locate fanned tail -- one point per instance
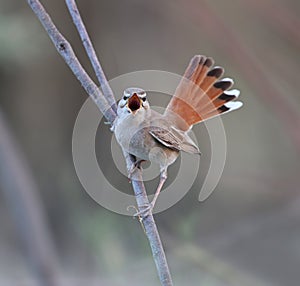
(201, 94)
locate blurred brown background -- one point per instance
(246, 233)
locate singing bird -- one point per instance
(159, 138)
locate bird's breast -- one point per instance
(132, 134)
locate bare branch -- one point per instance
(66, 51)
(278, 16)
(150, 226)
(152, 234)
(91, 53)
(22, 196)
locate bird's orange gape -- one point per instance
(134, 102)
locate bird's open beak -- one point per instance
(134, 103)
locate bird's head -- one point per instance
(133, 101)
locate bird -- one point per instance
(147, 135)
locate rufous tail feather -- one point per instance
(202, 94)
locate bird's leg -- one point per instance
(148, 209)
(163, 178)
(136, 165)
(131, 164)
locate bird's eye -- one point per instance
(144, 99)
(125, 97)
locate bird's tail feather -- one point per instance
(201, 94)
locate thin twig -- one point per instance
(152, 234)
(91, 53)
(66, 51)
(22, 196)
(64, 48)
(278, 16)
(150, 226)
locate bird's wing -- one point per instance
(174, 139)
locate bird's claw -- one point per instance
(141, 214)
(136, 165)
(145, 212)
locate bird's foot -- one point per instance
(141, 214)
(136, 165)
(146, 211)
